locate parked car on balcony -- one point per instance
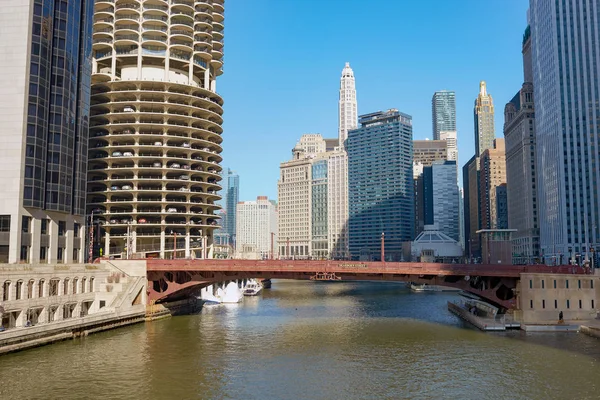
(156, 164)
(115, 187)
(126, 187)
(127, 154)
(141, 220)
(186, 167)
(128, 109)
(175, 165)
(184, 177)
(184, 189)
(186, 145)
(171, 210)
(117, 154)
(113, 221)
(158, 143)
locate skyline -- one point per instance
(299, 90)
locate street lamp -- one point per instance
(592, 250)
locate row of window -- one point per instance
(566, 284)
(20, 290)
(567, 304)
(26, 225)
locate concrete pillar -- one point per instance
(207, 78)
(162, 243)
(187, 243)
(107, 243)
(69, 234)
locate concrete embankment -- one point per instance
(43, 334)
(591, 328)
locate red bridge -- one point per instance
(173, 279)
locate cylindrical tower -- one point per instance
(155, 126)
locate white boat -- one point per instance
(252, 288)
(431, 288)
(231, 294)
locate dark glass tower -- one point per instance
(380, 185)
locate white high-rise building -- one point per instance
(348, 110)
(337, 204)
(451, 145)
(256, 230)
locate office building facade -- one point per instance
(521, 166)
(565, 59)
(380, 182)
(257, 228)
(471, 214)
(156, 125)
(45, 57)
(440, 197)
(443, 110)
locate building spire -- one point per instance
(482, 88)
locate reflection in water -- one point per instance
(310, 340)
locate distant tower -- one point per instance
(443, 108)
(484, 120)
(348, 115)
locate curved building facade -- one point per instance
(155, 127)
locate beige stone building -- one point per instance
(492, 166)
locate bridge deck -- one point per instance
(366, 268)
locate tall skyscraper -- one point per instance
(348, 109)
(566, 85)
(492, 174)
(380, 185)
(230, 181)
(521, 167)
(443, 109)
(257, 228)
(45, 58)
(484, 120)
(441, 197)
(156, 125)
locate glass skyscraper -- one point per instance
(45, 94)
(380, 185)
(443, 109)
(566, 85)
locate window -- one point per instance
(75, 285)
(59, 255)
(579, 284)
(592, 284)
(62, 227)
(555, 284)
(531, 285)
(92, 284)
(76, 228)
(25, 253)
(568, 304)
(18, 290)
(42, 253)
(66, 286)
(592, 304)
(579, 303)
(26, 221)
(4, 223)
(542, 284)
(555, 303)
(543, 303)
(567, 283)
(41, 288)
(44, 228)
(530, 303)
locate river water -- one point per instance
(311, 340)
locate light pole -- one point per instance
(592, 250)
(382, 247)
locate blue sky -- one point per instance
(283, 60)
